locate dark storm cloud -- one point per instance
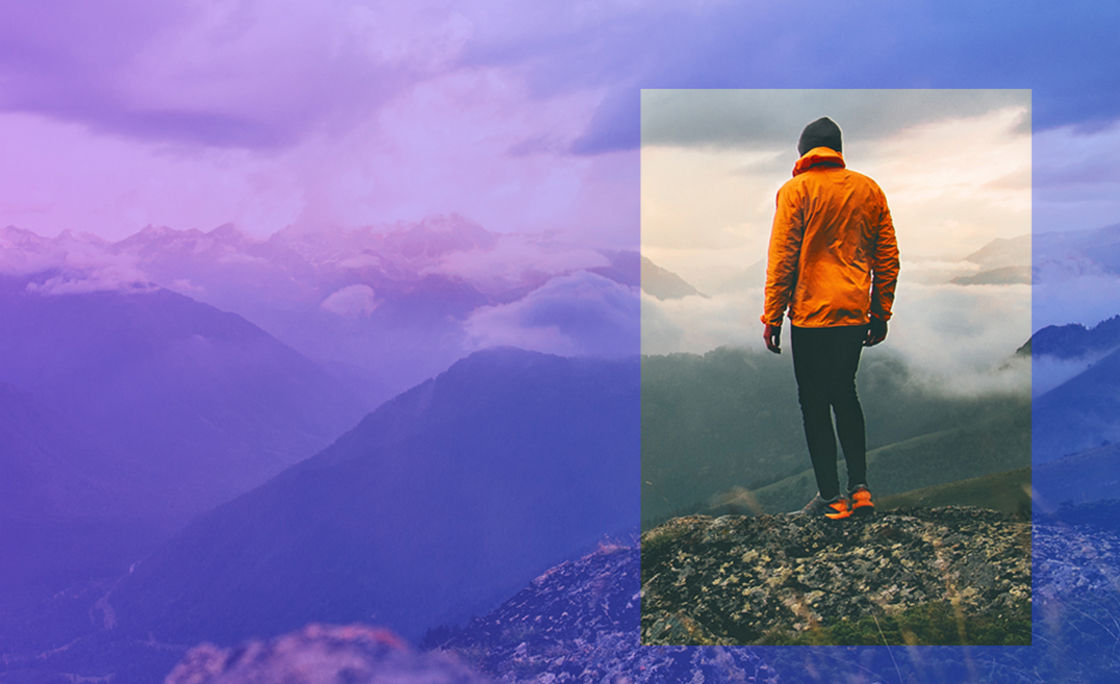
(1065, 53)
(222, 74)
(727, 118)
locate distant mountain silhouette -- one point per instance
(1073, 340)
(392, 303)
(1003, 253)
(1055, 254)
(665, 284)
(433, 508)
(1007, 275)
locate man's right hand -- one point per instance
(772, 335)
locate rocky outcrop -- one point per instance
(743, 580)
(578, 622)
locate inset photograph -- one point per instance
(836, 368)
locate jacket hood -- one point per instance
(818, 155)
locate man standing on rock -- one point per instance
(833, 261)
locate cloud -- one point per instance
(746, 118)
(961, 335)
(69, 264)
(1048, 372)
(580, 314)
(612, 128)
(264, 74)
(1087, 299)
(244, 74)
(911, 45)
(1075, 183)
(956, 338)
(352, 301)
(517, 260)
(97, 280)
(698, 325)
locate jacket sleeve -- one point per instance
(884, 266)
(783, 256)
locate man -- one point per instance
(833, 261)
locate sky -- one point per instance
(520, 116)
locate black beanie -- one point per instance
(821, 133)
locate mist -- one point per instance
(957, 339)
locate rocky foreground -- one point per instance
(579, 621)
(771, 579)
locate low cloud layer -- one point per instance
(515, 260)
(960, 339)
(581, 314)
(73, 264)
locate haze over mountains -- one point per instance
(390, 305)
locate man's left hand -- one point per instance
(876, 332)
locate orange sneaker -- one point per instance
(835, 508)
(862, 505)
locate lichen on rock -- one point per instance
(773, 578)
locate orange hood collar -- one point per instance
(818, 155)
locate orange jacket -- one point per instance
(833, 259)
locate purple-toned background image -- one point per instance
(329, 314)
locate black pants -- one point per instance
(825, 361)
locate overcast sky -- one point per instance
(955, 166)
(521, 116)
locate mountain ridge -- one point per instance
(435, 505)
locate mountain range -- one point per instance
(1058, 254)
(437, 505)
(390, 305)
